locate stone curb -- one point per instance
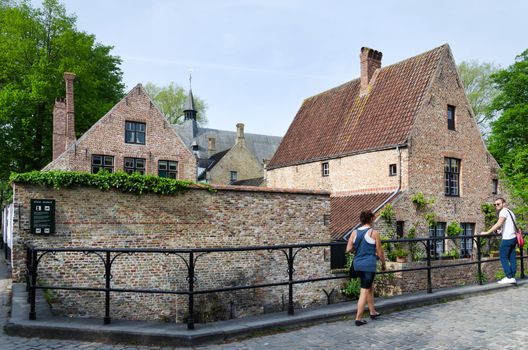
(162, 334)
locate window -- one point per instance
(168, 168)
(233, 176)
(451, 117)
(399, 229)
(135, 133)
(437, 245)
(393, 170)
(326, 219)
(325, 169)
(466, 244)
(495, 186)
(452, 176)
(133, 165)
(102, 162)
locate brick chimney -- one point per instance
(64, 119)
(70, 109)
(240, 133)
(370, 61)
(211, 146)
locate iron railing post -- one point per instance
(28, 270)
(429, 278)
(32, 289)
(108, 274)
(290, 281)
(479, 261)
(190, 319)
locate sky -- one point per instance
(255, 61)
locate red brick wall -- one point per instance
(87, 217)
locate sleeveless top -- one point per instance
(365, 257)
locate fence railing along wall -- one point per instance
(191, 257)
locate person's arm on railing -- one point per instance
(379, 250)
(495, 227)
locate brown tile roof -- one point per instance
(345, 210)
(339, 122)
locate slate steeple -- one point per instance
(189, 111)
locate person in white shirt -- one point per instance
(507, 253)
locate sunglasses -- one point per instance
(497, 204)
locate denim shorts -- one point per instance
(366, 278)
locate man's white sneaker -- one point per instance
(512, 280)
(505, 280)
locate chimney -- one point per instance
(70, 109)
(240, 133)
(59, 128)
(211, 147)
(370, 61)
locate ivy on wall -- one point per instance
(135, 183)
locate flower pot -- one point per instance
(401, 260)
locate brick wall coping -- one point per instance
(364, 191)
(266, 190)
(216, 187)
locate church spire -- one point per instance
(189, 111)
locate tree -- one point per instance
(479, 89)
(171, 100)
(508, 141)
(36, 47)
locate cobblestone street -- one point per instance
(492, 321)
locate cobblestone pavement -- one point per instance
(493, 321)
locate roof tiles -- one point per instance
(340, 122)
(345, 210)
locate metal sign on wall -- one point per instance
(42, 216)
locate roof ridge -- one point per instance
(381, 69)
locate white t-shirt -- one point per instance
(508, 229)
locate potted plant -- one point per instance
(401, 255)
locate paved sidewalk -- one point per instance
(490, 321)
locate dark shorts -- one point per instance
(366, 278)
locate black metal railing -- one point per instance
(191, 255)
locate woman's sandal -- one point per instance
(360, 322)
(373, 317)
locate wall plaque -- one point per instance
(43, 216)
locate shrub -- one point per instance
(135, 183)
(352, 288)
(388, 214)
(419, 200)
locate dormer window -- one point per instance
(451, 117)
(135, 133)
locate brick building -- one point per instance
(226, 157)
(382, 138)
(135, 137)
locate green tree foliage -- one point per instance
(508, 141)
(479, 89)
(171, 100)
(37, 45)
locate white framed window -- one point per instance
(325, 169)
(393, 170)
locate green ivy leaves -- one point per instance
(135, 183)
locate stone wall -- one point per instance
(239, 159)
(230, 217)
(364, 172)
(431, 142)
